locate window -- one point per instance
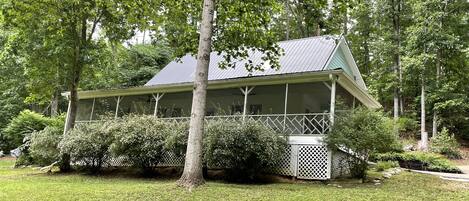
(255, 109)
(236, 109)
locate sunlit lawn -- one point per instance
(29, 184)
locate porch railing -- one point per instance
(289, 124)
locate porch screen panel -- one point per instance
(223, 102)
(84, 109)
(104, 107)
(138, 105)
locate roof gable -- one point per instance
(342, 59)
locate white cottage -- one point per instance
(318, 78)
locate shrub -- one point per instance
(21, 126)
(362, 133)
(88, 145)
(244, 150)
(445, 143)
(420, 161)
(43, 145)
(384, 165)
(140, 140)
(176, 140)
(407, 126)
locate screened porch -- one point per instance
(291, 109)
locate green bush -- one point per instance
(21, 126)
(140, 140)
(361, 132)
(419, 161)
(384, 165)
(44, 145)
(176, 140)
(444, 143)
(407, 126)
(243, 149)
(88, 145)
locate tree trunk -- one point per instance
(80, 43)
(423, 133)
(397, 59)
(193, 174)
(54, 104)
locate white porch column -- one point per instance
(157, 99)
(68, 114)
(246, 92)
(333, 93)
(92, 109)
(285, 108)
(117, 106)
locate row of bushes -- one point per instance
(242, 149)
(420, 161)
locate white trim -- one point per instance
(285, 107)
(92, 109)
(67, 119)
(333, 94)
(157, 99)
(246, 93)
(117, 106)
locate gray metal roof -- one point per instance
(301, 55)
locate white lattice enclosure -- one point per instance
(286, 165)
(313, 162)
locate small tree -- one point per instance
(361, 133)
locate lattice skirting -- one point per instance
(301, 161)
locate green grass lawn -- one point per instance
(29, 184)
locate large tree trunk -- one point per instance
(193, 174)
(80, 43)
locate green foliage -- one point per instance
(362, 132)
(408, 127)
(420, 161)
(444, 143)
(176, 140)
(22, 126)
(180, 22)
(384, 165)
(141, 63)
(44, 145)
(244, 149)
(88, 145)
(139, 140)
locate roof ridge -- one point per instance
(311, 37)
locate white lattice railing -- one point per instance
(290, 124)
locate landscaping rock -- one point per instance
(387, 175)
(15, 152)
(409, 147)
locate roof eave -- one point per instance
(315, 76)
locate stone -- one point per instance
(387, 175)
(409, 147)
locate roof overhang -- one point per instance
(344, 80)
